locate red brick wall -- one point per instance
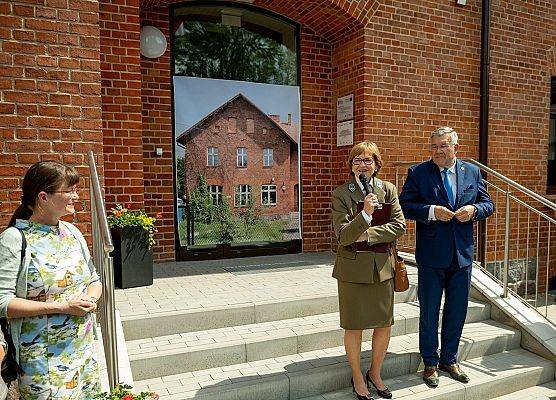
(317, 140)
(520, 91)
(521, 65)
(121, 102)
(50, 105)
(228, 175)
(157, 132)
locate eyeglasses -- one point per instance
(442, 147)
(366, 161)
(69, 191)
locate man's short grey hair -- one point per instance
(446, 130)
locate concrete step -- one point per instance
(539, 392)
(183, 321)
(246, 343)
(513, 374)
(316, 372)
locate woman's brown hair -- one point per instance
(44, 176)
(360, 148)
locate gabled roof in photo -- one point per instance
(290, 130)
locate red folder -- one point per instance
(381, 216)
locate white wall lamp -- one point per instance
(461, 2)
(153, 42)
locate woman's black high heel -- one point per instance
(359, 397)
(386, 393)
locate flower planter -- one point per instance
(133, 261)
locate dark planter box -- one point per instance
(133, 262)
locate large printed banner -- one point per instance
(237, 161)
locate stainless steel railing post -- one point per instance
(102, 246)
(112, 346)
(506, 246)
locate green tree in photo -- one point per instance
(224, 222)
(201, 202)
(251, 214)
(211, 50)
(180, 172)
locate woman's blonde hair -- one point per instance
(360, 148)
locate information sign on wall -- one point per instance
(344, 108)
(345, 133)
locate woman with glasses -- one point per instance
(365, 273)
(50, 292)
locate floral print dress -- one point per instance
(56, 351)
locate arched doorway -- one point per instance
(236, 103)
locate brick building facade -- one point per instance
(73, 79)
(212, 147)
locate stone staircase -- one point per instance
(293, 349)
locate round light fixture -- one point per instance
(153, 42)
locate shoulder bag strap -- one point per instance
(23, 249)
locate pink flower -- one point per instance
(128, 397)
(128, 205)
(159, 214)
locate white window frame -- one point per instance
(244, 194)
(215, 192)
(241, 157)
(213, 160)
(267, 190)
(268, 157)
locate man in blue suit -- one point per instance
(444, 196)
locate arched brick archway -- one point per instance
(330, 19)
(332, 64)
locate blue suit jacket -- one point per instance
(436, 239)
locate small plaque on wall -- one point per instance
(344, 108)
(345, 133)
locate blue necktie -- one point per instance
(448, 186)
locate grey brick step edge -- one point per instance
(540, 392)
(173, 322)
(513, 374)
(318, 372)
(150, 362)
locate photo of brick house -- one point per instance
(245, 155)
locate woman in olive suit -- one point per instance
(365, 278)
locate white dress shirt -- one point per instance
(452, 176)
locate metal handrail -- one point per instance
(513, 184)
(510, 188)
(98, 204)
(102, 247)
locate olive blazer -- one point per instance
(360, 267)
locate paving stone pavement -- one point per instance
(206, 284)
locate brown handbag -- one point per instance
(401, 282)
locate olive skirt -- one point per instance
(366, 305)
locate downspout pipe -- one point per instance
(483, 111)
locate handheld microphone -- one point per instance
(366, 188)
